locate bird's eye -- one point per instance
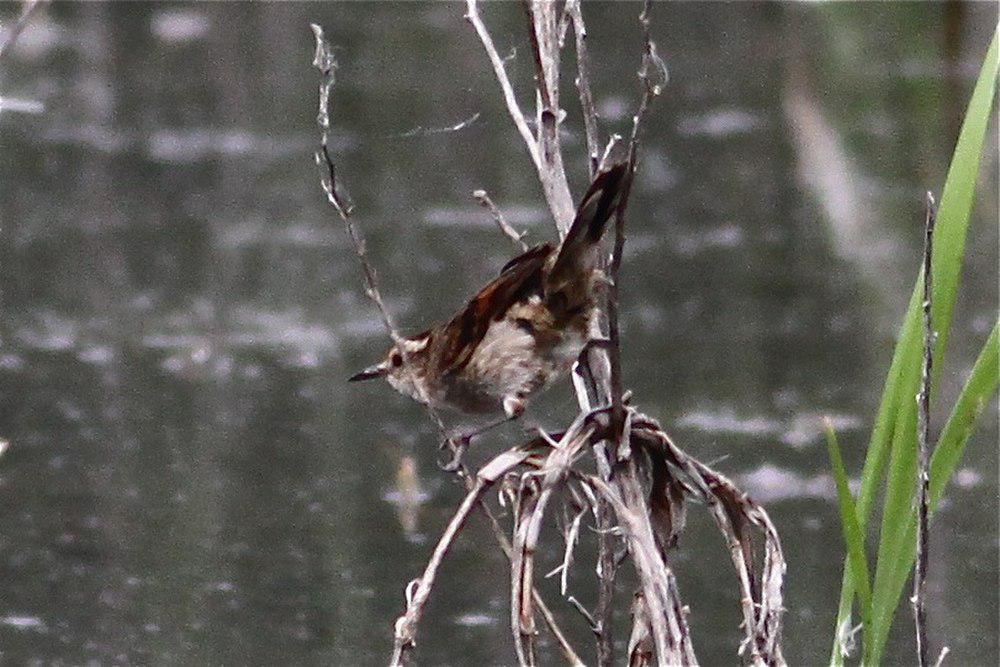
(397, 360)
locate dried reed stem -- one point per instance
(923, 432)
(659, 617)
(545, 46)
(419, 590)
(472, 16)
(604, 612)
(516, 238)
(573, 8)
(326, 63)
(530, 511)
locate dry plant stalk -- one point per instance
(418, 590)
(923, 433)
(643, 479)
(517, 238)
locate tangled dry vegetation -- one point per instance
(613, 463)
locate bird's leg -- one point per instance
(513, 407)
(457, 446)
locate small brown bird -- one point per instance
(521, 331)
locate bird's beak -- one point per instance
(376, 371)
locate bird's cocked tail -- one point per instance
(579, 249)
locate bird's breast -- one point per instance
(518, 355)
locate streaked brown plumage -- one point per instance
(521, 331)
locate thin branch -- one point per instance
(573, 8)
(528, 526)
(326, 63)
(543, 30)
(583, 612)
(516, 238)
(923, 432)
(650, 74)
(406, 625)
(568, 651)
(472, 16)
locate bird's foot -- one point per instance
(456, 445)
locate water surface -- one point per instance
(191, 481)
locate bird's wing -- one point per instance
(518, 279)
(579, 249)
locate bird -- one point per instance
(521, 332)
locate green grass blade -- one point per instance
(854, 538)
(895, 425)
(978, 390)
(875, 459)
(949, 251)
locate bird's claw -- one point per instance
(457, 446)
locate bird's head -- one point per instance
(402, 366)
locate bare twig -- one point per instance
(11, 34)
(761, 596)
(420, 589)
(528, 526)
(326, 63)
(472, 16)
(516, 238)
(923, 433)
(583, 86)
(650, 77)
(543, 30)
(572, 657)
(576, 604)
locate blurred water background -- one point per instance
(191, 481)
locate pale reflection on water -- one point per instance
(190, 480)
